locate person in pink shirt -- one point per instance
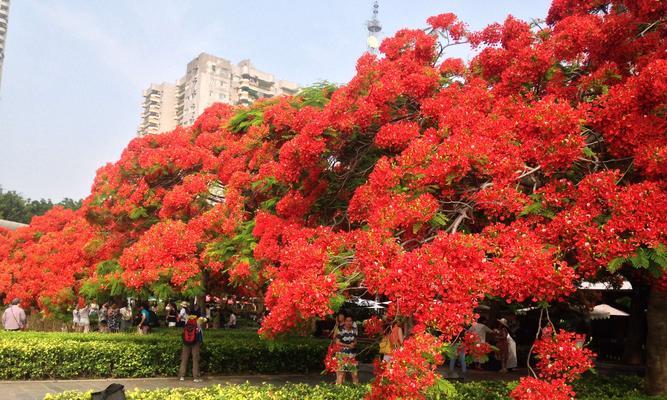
(14, 319)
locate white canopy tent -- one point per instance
(11, 225)
(604, 286)
(605, 311)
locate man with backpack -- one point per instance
(193, 338)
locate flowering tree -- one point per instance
(430, 181)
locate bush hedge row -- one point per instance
(28, 355)
(617, 388)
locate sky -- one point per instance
(74, 70)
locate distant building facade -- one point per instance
(4, 20)
(208, 79)
(159, 108)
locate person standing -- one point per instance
(231, 322)
(207, 314)
(126, 318)
(480, 329)
(84, 318)
(346, 341)
(460, 355)
(507, 346)
(114, 318)
(144, 323)
(183, 314)
(394, 336)
(14, 318)
(171, 315)
(75, 319)
(102, 318)
(193, 338)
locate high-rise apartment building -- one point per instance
(208, 79)
(4, 20)
(159, 108)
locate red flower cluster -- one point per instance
(373, 326)
(410, 372)
(474, 347)
(535, 389)
(562, 355)
(562, 359)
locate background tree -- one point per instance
(14, 207)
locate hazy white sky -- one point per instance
(75, 69)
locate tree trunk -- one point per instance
(636, 334)
(656, 343)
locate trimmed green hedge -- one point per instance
(595, 388)
(37, 355)
(238, 392)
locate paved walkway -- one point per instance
(36, 390)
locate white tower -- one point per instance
(4, 19)
(374, 28)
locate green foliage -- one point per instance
(652, 259)
(239, 246)
(37, 355)
(14, 207)
(617, 388)
(537, 208)
(317, 95)
(239, 392)
(612, 388)
(245, 118)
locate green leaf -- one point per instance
(615, 264)
(639, 260)
(336, 302)
(533, 208)
(439, 220)
(588, 152)
(137, 213)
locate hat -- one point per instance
(504, 323)
(185, 304)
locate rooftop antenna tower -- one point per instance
(374, 28)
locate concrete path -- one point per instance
(36, 390)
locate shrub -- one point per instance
(238, 392)
(28, 355)
(617, 388)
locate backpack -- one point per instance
(112, 392)
(190, 332)
(385, 345)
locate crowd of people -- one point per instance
(345, 338)
(113, 317)
(501, 337)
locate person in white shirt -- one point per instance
(183, 314)
(84, 319)
(75, 319)
(125, 318)
(14, 318)
(231, 323)
(480, 329)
